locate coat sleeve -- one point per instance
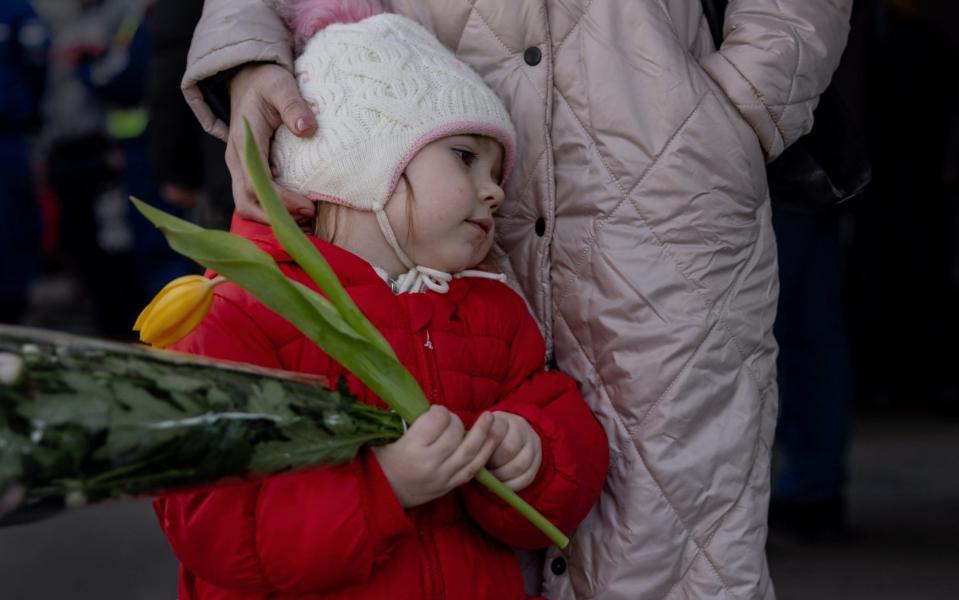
(575, 450)
(231, 33)
(776, 59)
(301, 532)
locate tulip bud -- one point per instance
(176, 310)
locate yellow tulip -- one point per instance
(176, 310)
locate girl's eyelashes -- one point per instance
(467, 156)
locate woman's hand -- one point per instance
(435, 456)
(266, 95)
(518, 454)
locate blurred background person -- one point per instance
(866, 288)
(24, 44)
(97, 156)
(187, 163)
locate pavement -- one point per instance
(903, 539)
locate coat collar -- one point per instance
(350, 268)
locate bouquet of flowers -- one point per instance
(90, 462)
(83, 421)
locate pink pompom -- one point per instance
(306, 17)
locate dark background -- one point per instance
(896, 259)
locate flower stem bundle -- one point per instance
(83, 421)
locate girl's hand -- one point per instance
(519, 454)
(266, 95)
(435, 456)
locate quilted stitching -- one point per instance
(702, 552)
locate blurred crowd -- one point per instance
(92, 113)
(95, 116)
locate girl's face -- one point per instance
(446, 223)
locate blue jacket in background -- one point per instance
(24, 44)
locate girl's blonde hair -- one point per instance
(331, 218)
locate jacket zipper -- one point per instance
(427, 360)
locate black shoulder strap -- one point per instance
(715, 12)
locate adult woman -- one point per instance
(639, 229)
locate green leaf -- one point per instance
(48, 410)
(218, 399)
(294, 241)
(143, 407)
(308, 444)
(181, 383)
(240, 261)
(85, 384)
(269, 398)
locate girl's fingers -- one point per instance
(521, 472)
(499, 428)
(476, 443)
(445, 446)
(431, 426)
(528, 457)
(508, 448)
(469, 470)
(516, 466)
(518, 484)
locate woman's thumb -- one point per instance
(293, 109)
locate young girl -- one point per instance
(407, 164)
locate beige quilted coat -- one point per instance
(638, 223)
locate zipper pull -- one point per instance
(428, 344)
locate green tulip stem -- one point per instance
(512, 498)
(294, 241)
(333, 322)
(398, 388)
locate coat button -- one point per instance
(558, 566)
(532, 56)
(540, 226)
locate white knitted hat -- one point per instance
(381, 88)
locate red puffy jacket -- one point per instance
(339, 532)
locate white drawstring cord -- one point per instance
(480, 275)
(419, 279)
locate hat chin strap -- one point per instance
(387, 230)
(419, 278)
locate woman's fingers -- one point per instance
(245, 200)
(284, 96)
(266, 95)
(297, 205)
